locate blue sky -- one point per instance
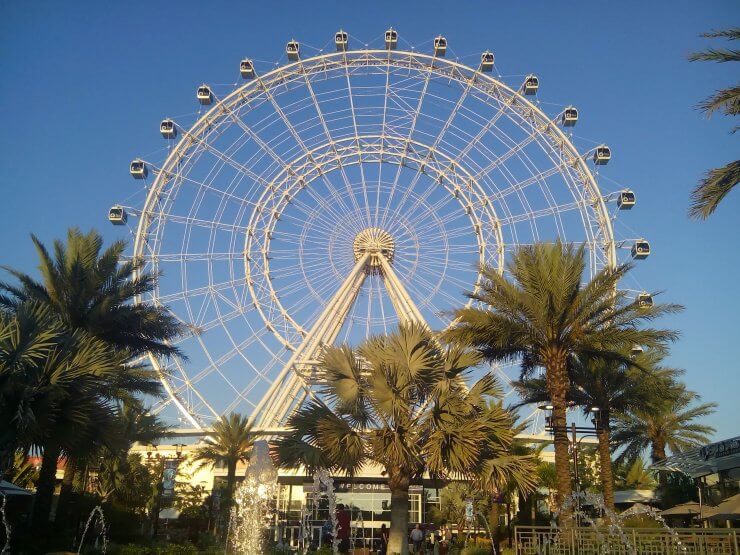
(86, 84)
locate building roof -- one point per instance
(702, 461)
(634, 496)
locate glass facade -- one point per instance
(301, 511)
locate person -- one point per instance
(343, 528)
(383, 539)
(417, 537)
(436, 543)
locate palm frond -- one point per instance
(717, 184)
(720, 55)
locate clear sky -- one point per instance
(85, 84)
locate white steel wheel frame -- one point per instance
(429, 138)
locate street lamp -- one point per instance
(161, 460)
(585, 431)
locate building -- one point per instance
(715, 468)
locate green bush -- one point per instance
(476, 550)
(161, 549)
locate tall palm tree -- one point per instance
(611, 387)
(720, 181)
(545, 316)
(231, 442)
(93, 289)
(667, 422)
(402, 401)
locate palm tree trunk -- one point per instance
(398, 483)
(605, 461)
(45, 488)
(494, 528)
(657, 453)
(65, 494)
(230, 484)
(557, 382)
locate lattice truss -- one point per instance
(332, 197)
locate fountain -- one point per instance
(323, 485)
(6, 524)
(653, 513)
(255, 503)
(614, 527)
(101, 523)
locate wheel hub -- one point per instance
(378, 243)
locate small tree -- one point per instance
(402, 401)
(668, 421)
(230, 443)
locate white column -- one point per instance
(276, 403)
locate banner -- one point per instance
(169, 473)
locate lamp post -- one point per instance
(160, 460)
(585, 431)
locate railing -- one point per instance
(543, 540)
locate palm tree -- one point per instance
(635, 475)
(544, 316)
(602, 388)
(718, 182)
(111, 434)
(402, 401)
(28, 371)
(667, 422)
(23, 473)
(94, 290)
(230, 443)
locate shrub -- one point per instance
(476, 550)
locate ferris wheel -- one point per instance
(329, 198)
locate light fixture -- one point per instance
(546, 406)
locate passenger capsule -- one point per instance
(486, 61)
(644, 300)
(636, 350)
(602, 155)
(168, 129)
(531, 84)
(341, 40)
(440, 46)
(204, 94)
(626, 200)
(117, 215)
(391, 39)
(640, 249)
(246, 68)
(293, 50)
(138, 169)
(570, 116)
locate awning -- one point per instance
(685, 509)
(11, 489)
(729, 509)
(170, 513)
(634, 496)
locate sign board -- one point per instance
(720, 449)
(169, 473)
(469, 510)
